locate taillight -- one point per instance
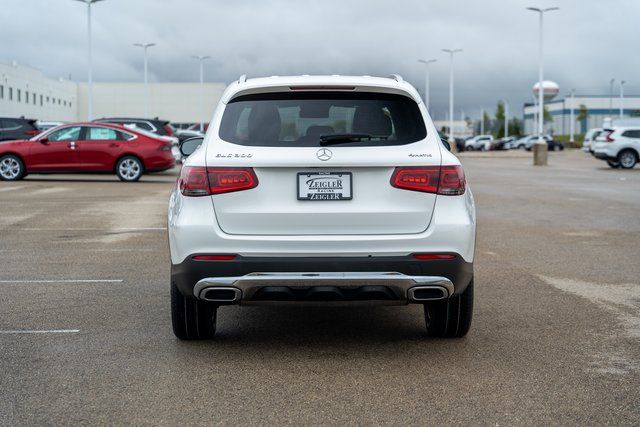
(165, 147)
(444, 180)
(196, 181)
(32, 132)
(607, 137)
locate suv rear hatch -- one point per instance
(323, 163)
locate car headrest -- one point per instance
(264, 123)
(371, 120)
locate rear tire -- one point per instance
(129, 169)
(450, 318)
(627, 159)
(192, 319)
(11, 168)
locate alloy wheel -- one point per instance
(130, 169)
(9, 168)
(627, 159)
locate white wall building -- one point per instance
(25, 91)
(599, 107)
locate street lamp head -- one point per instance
(199, 57)
(144, 45)
(427, 62)
(452, 51)
(89, 2)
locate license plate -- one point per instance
(324, 186)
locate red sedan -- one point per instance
(86, 147)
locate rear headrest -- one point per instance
(319, 130)
(264, 122)
(371, 120)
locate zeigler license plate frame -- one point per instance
(325, 186)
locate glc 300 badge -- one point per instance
(324, 154)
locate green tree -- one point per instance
(499, 124)
(583, 113)
(546, 115)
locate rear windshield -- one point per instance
(300, 119)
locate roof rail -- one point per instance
(242, 79)
(396, 77)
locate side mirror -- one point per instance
(43, 140)
(446, 144)
(188, 146)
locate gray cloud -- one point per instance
(587, 42)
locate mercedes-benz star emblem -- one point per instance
(324, 154)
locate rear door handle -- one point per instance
(114, 145)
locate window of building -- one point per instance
(1, 92)
(47, 99)
(59, 101)
(34, 99)
(10, 94)
(19, 95)
(41, 100)
(26, 96)
(64, 103)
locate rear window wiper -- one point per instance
(344, 138)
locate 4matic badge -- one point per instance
(234, 155)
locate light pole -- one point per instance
(145, 46)
(426, 79)
(451, 52)
(611, 82)
(89, 60)
(540, 148)
(571, 119)
(622, 82)
(201, 59)
(482, 121)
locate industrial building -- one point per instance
(598, 108)
(26, 91)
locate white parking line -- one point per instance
(65, 281)
(52, 331)
(8, 188)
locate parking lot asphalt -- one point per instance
(85, 334)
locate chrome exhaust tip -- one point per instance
(427, 293)
(226, 295)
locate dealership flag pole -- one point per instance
(622, 82)
(201, 59)
(426, 80)
(451, 52)
(506, 120)
(540, 149)
(571, 119)
(145, 46)
(89, 60)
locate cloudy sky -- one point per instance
(587, 42)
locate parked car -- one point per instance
(196, 127)
(590, 139)
(505, 143)
(478, 142)
(157, 126)
(17, 128)
(551, 144)
(86, 147)
(42, 126)
(183, 134)
(290, 202)
(619, 146)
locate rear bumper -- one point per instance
(386, 280)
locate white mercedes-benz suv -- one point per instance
(321, 190)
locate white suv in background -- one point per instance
(590, 139)
(321, 190)
(478, 142)
(619, 146)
